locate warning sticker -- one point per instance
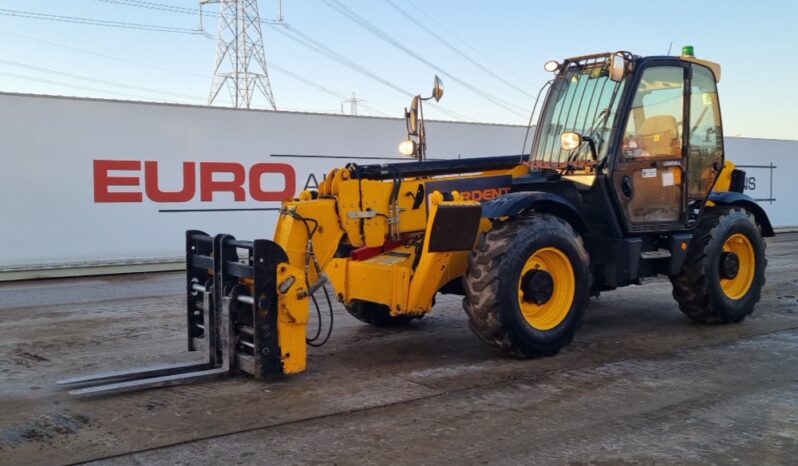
(649, 172)
(667, 179)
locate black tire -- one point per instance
(698, 288)
(492, 285)
(378, 315)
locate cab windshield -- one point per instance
(582, 99)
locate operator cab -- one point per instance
(644, 133)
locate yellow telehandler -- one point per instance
(626, 178)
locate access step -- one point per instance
(658, 254)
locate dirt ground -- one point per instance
(640, 384)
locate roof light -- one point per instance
(687, 51)
(551, 66)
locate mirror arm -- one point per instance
(422, 133)
(592, 143)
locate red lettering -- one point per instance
(260, 169)
(476, 196)
(209, 175)
(103, 181)
(155, 193)
(210, 186)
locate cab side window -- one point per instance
(654, 127)
(706, 136)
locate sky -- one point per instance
(490, 55)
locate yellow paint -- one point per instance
(738, 287)
(292, 235)
(724, 178)
(292, 318)
(375, 195)
(339, 176)
(382, 279)
(324, 186)
(551, 313)
(584, 179)
(390, 279)
(434, 269)
(677, 175)
(342, 211)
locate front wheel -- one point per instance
(722, 278)
(527, 285)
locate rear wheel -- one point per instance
(723, 275)
(527, 285)
(378, 315)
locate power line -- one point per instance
(455, 49)
(96, 22)
(292, 33)
(94, 80)
(307, 41)
(133, 62)
(318, 87)
(154, 6)
(177, 9)
(109, 57)
(362, 22)
(75, 86)
(323, 89)
(465, 43)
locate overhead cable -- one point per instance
(96, 22)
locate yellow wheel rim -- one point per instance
(549, 314)
(737, 287)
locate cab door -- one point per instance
(648, 175)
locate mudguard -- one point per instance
(741, 200)
(516, 203)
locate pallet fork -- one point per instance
(231, 306)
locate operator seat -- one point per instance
(658, 137)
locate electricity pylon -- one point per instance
(241, 66)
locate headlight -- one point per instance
(407, 148)
(570, 140)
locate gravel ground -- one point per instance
(640, 384)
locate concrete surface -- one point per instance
(640, 384)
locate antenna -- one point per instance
(669, 48)
(241, 65)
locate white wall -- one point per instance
(756, 156)
(49, 215)
(51, 224)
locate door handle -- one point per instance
(627, 188)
